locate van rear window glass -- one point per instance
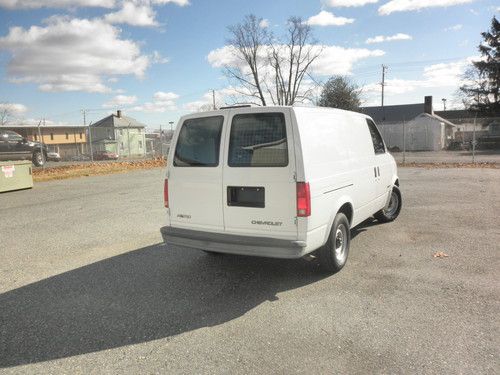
(258, 140)
(199, 142)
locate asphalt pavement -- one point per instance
(87, 287)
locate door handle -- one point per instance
(378, 171)
(375, 171)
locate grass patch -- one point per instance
(94, 169)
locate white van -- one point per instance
(277, 182)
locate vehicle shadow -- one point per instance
(146, 294)
(362, 227)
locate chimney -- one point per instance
(428, 105)
(119, 112)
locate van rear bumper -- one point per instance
(233, 244)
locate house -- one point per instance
(469, 122)
(67, 140)
(120, 134)
(414, 127)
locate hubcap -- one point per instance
(393, 205)
(340, 243)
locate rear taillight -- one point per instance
(165, 193)
(303, 199)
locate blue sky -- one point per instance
(151, 57)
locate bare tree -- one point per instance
(249, 42)
(291, 62)
(5, 114)
(269, 69)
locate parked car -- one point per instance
(105, 155)
(277, 182)
(14, 147)
(53, 156)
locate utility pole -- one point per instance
(41, 141)
(444, 104)
(213, 99)
(161, 142)
(84, 112)
(384, 69)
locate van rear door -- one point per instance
(259, 184)
(195, 175)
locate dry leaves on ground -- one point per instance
(440, 254)
(92, 169)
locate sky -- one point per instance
(159, 59)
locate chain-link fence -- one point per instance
(431, 139)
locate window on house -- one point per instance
(36, 137)
(67, 135)
(51, 136)
(140, 144)
(81, 136)
(378, 143)
(121, 131)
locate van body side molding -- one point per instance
(339, 188)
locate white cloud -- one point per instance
(162, 102)
(456, 27)
(348, 3)
(71, 55)
(133, 14)
(339, 60)
(382, 38)
(35, 4)
(264, 23)
(325, 18)
(120, 101)
(223, 97)
(13, 108)
(408, 5)
(436, 76)
(181, 3)
(332, 60)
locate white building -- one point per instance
(413, 127)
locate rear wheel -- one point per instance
(333, 255)
(38, 158)
(391, 212)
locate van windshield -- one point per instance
(258, 140)
(199, 142)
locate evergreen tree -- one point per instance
(340, 92)
(481, 91)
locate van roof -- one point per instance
(250, 109)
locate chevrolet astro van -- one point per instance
(277, 182)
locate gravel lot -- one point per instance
(87, 287)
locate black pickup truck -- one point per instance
(14, 147)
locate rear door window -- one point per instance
(198, 143)
(258, 140)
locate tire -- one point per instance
(333, 255)
(38, 158)
(394, 208)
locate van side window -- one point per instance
(378, 143)
(258, 140)
(199, 142)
